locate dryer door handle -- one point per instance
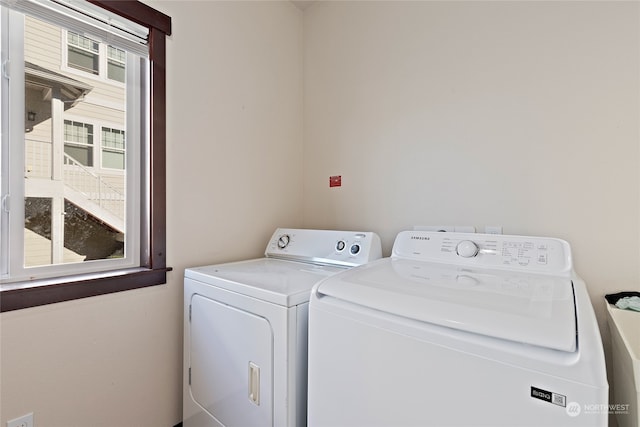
(254, 383)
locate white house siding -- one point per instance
(42, 44)
(105, 94)
(97, 114)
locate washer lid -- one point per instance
(282, 282)
(525, 308)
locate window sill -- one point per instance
(19, 295)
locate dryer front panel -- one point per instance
(231, 363)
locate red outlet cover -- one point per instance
(335, 181)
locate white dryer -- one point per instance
(457, 330)
(245, 328)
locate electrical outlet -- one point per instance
(23, 421)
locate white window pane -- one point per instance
(83, 42)
(84, 61)
(82, 155)
(116, 59)
(78, 143)
(113, 154)
(113, 159)
(116, 54)
(82, 53)
(113, 138)
(75, 210)
(115, 71)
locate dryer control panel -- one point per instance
(522, 253)
(327, 247)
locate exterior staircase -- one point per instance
(93, 194)
(94, 209)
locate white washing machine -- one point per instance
(245, 328)
(457, 330)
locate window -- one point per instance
(92, 214)
(78, 142)
(130, 253)
(88, 55)
(115, 63)
(112, 148)
(83, 53)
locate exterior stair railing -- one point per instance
(77, 177)
(93, 187)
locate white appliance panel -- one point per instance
(398, 373)
(232, 350)
(526, 308)
(281, 282)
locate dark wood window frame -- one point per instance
(153, 269)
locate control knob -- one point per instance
(283, 241)
(467, 249)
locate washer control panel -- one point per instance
(332, 247)
(528, 253)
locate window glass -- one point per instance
(37, 231)
(78, 143)
(80, 185)
(112, 148)
(116, 59)
(83, 53)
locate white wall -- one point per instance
(235, 126)
(233, 175)
(520, 114)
